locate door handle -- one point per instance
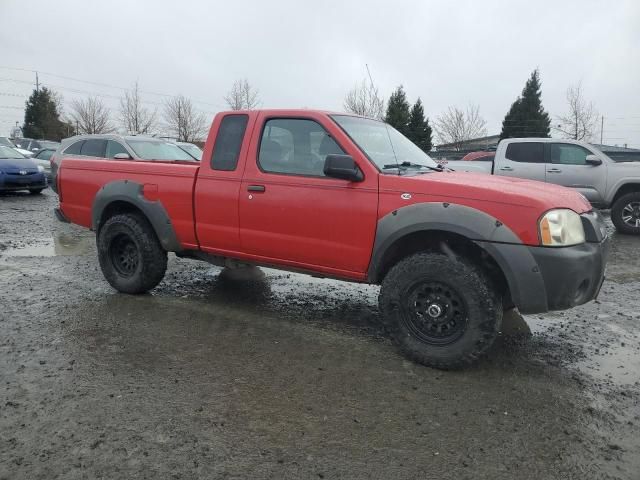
(506, 169)
(256, 188)
(554, 170)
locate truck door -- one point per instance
(567, 166)
(523, 160)
(291, 212)
(218, 185)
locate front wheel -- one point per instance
(625, 213)
(36, 191)
(443, 313)
(131, 257)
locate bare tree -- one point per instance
(364, 99)
(90, 116)
(455, 125)
(242, 96)
(580, 121)
(183, 120)
(135, 117)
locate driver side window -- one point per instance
(295, 146)
(568, 154)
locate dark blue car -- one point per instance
(17, 172)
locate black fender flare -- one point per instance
(132, 193)
(518, 265)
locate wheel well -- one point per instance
(451, 244)
(116, 208)
(624, 189)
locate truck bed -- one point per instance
(170, 182)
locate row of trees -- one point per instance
(177, 115)
(526, 117)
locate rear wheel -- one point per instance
(131, 257)
(443, 313)
(625, 213)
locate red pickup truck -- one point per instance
(346, 197)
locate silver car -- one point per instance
(118, 147)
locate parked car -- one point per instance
(32, 145)
(118, 147)
(18, 172)
(42, 158)
(8, 143)
(191, 149)
(574, 164)
(346, 197)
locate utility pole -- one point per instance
(601, 128)
(37, 83)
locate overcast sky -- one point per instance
(310, 53)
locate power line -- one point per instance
(100, 84)
(95, 94)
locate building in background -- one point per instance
(620, 154)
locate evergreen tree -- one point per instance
(527, 117)
(41, 117)
(398, 111)
(419, 131)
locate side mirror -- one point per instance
(343, 167)
(122, 156)
(35, 149)
(593, 160)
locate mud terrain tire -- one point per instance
(629, 201)
(444, 313)
(131, 257)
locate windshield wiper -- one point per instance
(405, 165)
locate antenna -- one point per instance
(369, 73)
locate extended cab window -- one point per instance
(74, 149)
(226, 150)
(93, 148)
(295, 146)
(568, 154)
(525, 152)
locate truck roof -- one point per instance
(291, 111)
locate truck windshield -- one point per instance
(154, 150)
(383, 144)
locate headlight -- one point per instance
(40, 168)
(561, 228)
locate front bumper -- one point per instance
(554, 278)
(571, 275)
(13, 183)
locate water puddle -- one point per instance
(60, 244)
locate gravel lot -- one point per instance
(278, 375)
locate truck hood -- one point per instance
(488, 188)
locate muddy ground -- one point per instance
(286, 376)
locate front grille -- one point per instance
(18, 174)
